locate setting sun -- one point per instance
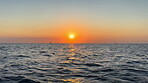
(71, 36)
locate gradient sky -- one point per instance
(92, 21)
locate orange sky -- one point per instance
(84, 31)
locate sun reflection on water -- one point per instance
(73, 80)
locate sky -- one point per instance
(91, 21)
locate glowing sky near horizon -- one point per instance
(93, 21)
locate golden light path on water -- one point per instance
(70, 60)
(71, 57)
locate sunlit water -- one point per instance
(77, 63)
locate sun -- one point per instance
(71, 36)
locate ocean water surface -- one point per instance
(73, 63)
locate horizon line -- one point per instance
(72, 43)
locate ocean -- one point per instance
(73, 63)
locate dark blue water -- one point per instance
(73, 63)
